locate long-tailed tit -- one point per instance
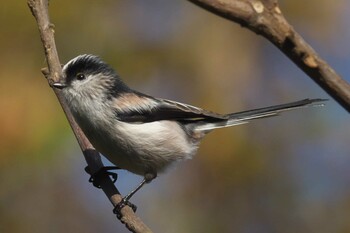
(138, 132)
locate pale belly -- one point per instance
(142, 148)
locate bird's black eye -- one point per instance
(80, 76)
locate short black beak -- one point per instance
(59, 85)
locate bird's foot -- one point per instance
(124, 202)
(95, 177)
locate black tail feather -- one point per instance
(275, 110)
(245, 116)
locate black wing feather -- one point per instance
(168, 110)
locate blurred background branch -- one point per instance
(265, 18)
(39, 9)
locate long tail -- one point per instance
(246, 116)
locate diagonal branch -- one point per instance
(264, 17)
(39, 9)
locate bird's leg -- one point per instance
(94, 178)
(125, 200)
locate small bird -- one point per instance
(138, 132)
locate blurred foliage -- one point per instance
(286, 174)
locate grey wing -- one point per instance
(149, 109)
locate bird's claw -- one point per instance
(118, 208)
(95, 178)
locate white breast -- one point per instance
(148, 147)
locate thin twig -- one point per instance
(264, 17)
(39, 9)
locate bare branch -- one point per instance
(264, 17)
(39, 9)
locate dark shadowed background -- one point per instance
(282, 174)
